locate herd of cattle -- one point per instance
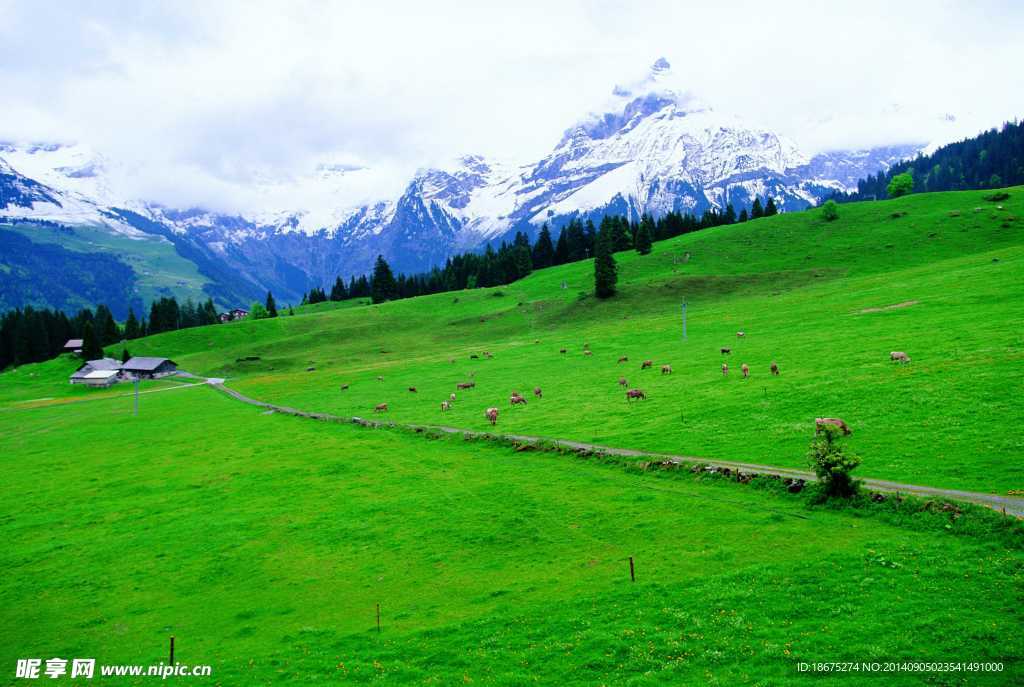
(632, 394)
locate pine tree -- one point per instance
(91, 348)
(125, 355)
(622, 238)
(605, 272)
(271, 305)
(384, 286)
(589, 237)
(756, 210)
(105, 326)
(131, 326)
(770, 209)
(562, 248)
(644, 234)
(730, 214)
(544, 249)
(743, 215)
(338, 291)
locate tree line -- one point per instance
(577, 240)
(32, 335)
(993, 159)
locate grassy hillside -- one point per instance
(938, 276)
(264, 542)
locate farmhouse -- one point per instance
(102, 378)
(81, 375)
(149, 368)
(73, 346)
(236, 314)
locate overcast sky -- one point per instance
(203, 98)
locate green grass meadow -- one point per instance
(264, 542)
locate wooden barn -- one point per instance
(149, 368)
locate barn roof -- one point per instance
(73, 343)
(101, 374)
(102, 364)
(146, 364)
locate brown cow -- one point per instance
(487, 354)
(635, 393)
(465, 385)
(666, 369)
(492, 415)
(725, 369)
(820, 422)
(899, 357)
(775, 369)
(646, 364)
(740, 335)
(587, 353)
(515, 399)
(624, 359)
(380, 408)
(344, 387)
(561, 350)
(623, 382)
(537, 392)
(445, 405)
(725, 351)
(412, 389)
(745, 370)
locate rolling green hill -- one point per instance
(936, 275)
(263, 542)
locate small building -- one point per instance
(80, 375)
(102, 378)
(235, 314)
(149, 368)
(73, 346)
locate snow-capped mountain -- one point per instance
(652, 149)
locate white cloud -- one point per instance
(205, 102)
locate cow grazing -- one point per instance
(740, 335)
(451, 360)
(473, 356)
(492, 415)
(745, 369)
(624, 359)
(445, 405)
(899, 357)
(725, 369)
(587, 353)
(635, 394)
(537, 392)
(344, 387)
(516, 399)
(821, 422)
(623, 382)
(380, 378)
(488, 355)
(451, 397)
(666, 369)
(646, 364)
(412, 390)
(775, 369)
(586, 345)
(561, 350)
(465, 385)
(380, 408)
(725, 351)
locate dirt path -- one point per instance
(1013, 505)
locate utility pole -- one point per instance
(136, 380)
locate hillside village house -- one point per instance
(236, 314)
(73, 346)
(149, 368)
(105, 365)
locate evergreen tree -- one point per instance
(271, 305)
(562, 248)
(131, 326)
(743, 215)
(544, 249)
(605, 272)
(622, 238)
(91, 347)
(575, 241)
(730, 214)
(644, 235)
(338, 291)
(756, 210)
(125, 355)
(384, 286)
(105, 326)
(589, 237)
(770, 209)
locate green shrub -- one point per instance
(830, 211)
(900, 185)
(832, 464)
(997, 196)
